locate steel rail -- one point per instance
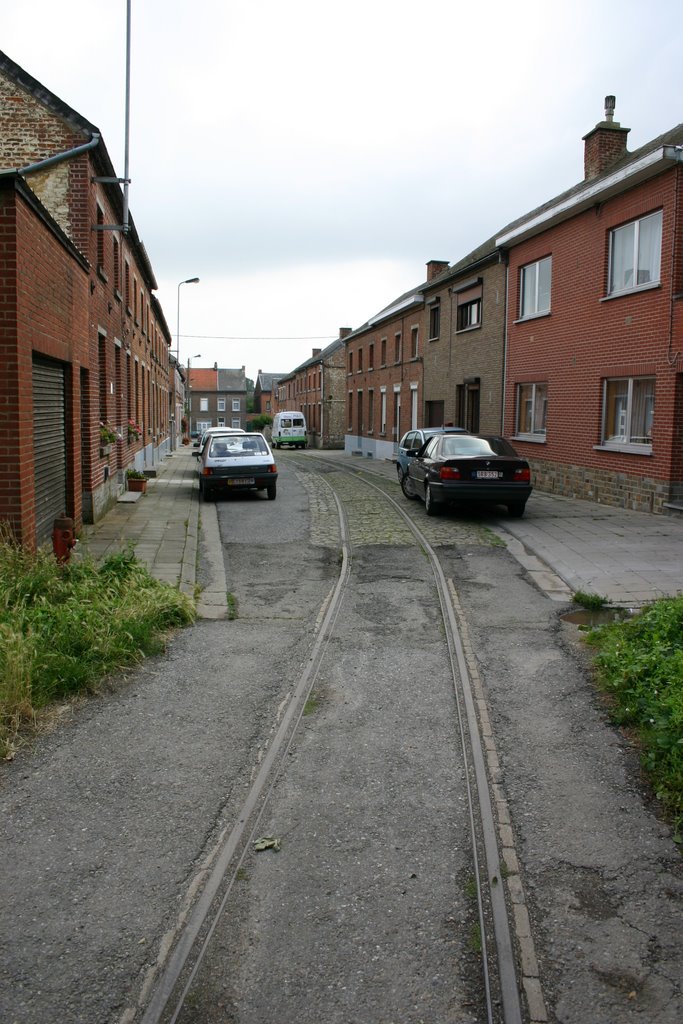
(222, 876)
(505, 957)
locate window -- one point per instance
(413, 406)
(371, 356)
(350, 362)
(371, 410)
(221, 405)
(360, 359)
(221, 421)
(235, 422)
(434, 321)
(635, 254)
(350, 411)
(397, 347)
(535, 288)
(469, 315)
(383, 411)
(203, 404)
(628, 411)
(532, 408)
(383, 352)
(117, 266)
(414, 342)
(100, 238)
(235, 405)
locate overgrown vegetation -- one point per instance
(639, 663)
(63, 628)
(592, 602)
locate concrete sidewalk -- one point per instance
(629, 558)
(161, 525)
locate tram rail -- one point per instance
(174, 979)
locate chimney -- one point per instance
(435, 267)
(316, 351)
(605, 144)
(215, 366)
(344, 332)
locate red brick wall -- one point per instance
(587, 338)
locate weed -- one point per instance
(233, 608)
(471, 889)
(63, 628)
(475, 938)
(640, 665)
(589, 601)
(311, 704)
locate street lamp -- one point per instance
(189, 280)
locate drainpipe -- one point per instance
(69, 154)
(505, 347)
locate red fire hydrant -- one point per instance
(63, 539)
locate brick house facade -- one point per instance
(316, 388)
(265, 393)
(85, 340)
(594, 383)
(216, 398)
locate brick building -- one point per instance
(316, 388)
(594, 383)
(216, 398)
(82, 336)
(265, 393)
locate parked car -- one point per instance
(471, 468)
(412, 441)
(289, 428)
(209, 432)
(237, 462)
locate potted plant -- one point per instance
(183, 427)
(136, 481)
(108, 438)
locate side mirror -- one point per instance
(195, 455)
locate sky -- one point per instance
(306, 160)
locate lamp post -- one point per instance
(188, 280)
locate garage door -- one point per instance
(49, 446)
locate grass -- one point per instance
(639, 664)
(63, 628)
(592, 602)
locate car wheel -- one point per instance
(271, 491)
(432, 508)
(407, 487)
(516, 509)
(399, 472)
(207, 493)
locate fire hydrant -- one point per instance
(63, 539)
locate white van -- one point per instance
(289, 428)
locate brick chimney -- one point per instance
(605, 144)
(344, 332)
(435, 267)
(316, 352)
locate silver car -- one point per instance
(237, 462)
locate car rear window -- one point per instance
(464, 444)
(237, 445)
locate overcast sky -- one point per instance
(305, 160)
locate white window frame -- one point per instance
(536, 410)
(203, 404)
(235, 405)
(221, 405)
(383, 411)
(535, 295)
(622, 440)
(235, 422)
(620, 234)
(413, 406)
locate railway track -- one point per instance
(367, 511)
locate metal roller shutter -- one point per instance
(49, 446)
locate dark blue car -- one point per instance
(412, 441)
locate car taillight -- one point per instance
(449, 473)
(272, 469)
(206, 471)
(523, 475)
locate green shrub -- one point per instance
(640, 665)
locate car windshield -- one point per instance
(237, 445)
(463, 444)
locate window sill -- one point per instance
(435, 338)
(649, 287)
(625, 449)
(530, 438)
(465, 330)
(532, 316)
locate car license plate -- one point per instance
(242, 481)
(488, 474)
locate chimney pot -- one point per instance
(605, 144)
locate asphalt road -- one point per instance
(112, 820)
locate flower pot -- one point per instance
(105, 450)
(137, 485)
